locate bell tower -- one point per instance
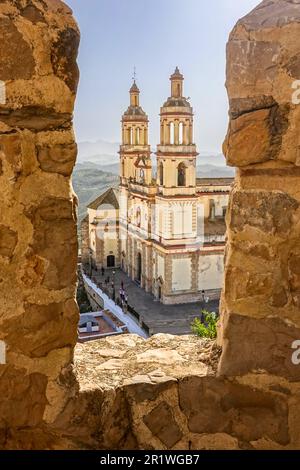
(176, 241)
(135, 154)
(176, 154)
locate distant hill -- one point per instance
(106, 154)
(97, 169)
(89, 181)
(101, 152)
(213, 171)
(203, 171)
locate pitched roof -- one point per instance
(110, 197)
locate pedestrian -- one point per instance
(122, 285)
(102, 271)
(114, 295)
(203, 296)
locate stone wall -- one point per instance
(167, 392)
(38, 240)
(261, 301)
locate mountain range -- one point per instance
(97, 169)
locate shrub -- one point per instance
(207, 328)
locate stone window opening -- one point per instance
(212, 210)
(137, 136)
(181, 175)
(172, 133)
(161, 174)
(181, 130)
(130, 135)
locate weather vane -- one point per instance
(134, 73)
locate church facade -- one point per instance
(165, 229)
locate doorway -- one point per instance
(139, 268)
(111, 261)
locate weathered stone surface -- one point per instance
(269, 346)
(262, 64)
(13, 46)
(38, 332)
(162, 424)
(260, 301)
(214, 406)
(54, 226)
(270, 212)
(8, 241)
(137, 364)
(58, 159)
(63, 57)
(38, 240)
(27, 392)
(145, 408)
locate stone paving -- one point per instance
(173, 319)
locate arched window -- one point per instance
(138, 217)
(172, 133)
(178, 90)
(137, 136)
(180, 133)
(212, 210)
(161, 174)
(130, 134)
(181, 174)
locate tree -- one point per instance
(207, 328)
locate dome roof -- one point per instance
(177, 75)
(135, 111)
(177, 102)
(134, 88)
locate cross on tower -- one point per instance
(134, 74)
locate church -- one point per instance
(163, 226)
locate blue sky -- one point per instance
(154, 36)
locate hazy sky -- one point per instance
(154, 36)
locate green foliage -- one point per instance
(207, 329)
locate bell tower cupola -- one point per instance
(176, 153)
(134, 95)
(135, 154)
(177, 84)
